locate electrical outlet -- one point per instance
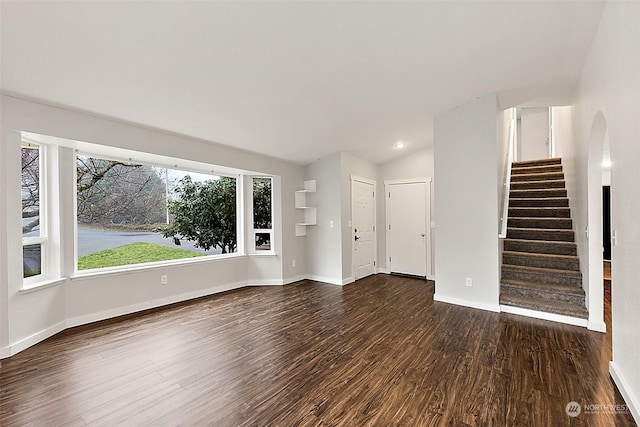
(293, 263)
(469, 282)
(163, 279)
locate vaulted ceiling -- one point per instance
(295, 80)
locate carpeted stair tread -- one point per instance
(546, 306)
(540, 264)
(535, 169)
(557, 202)
(549, 261)
(537, 193)
(540, 223)
(541, 234)
(532, 290)
(573, 290)
(540, 246)
(559, 272)
(533, 185)
(538, 162)
(552, 276)
(539, 211)
(542, 176)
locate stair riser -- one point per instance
(548, 223)
(535, 170)
(541, 248)
(540, 212)
(539, 202)
(537, 162)
(537, 177)
(540, 277)
(542, 262)
(537, 193)
(551, 235)
(577, 300)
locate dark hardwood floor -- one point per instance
(377, 352)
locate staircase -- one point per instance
(540, 266)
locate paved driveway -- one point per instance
(92, 240)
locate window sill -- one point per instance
(41, 285)
(116, 271)
(264, 254)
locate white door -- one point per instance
(534, 133)
(407, 228)
(363, 206)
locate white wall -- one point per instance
(323, 241)
(352, 166)
(35, 315)
(414, 165)
(608, 94)
(465, 153)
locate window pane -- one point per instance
(262, 203)
(132, 214)
(30, 192)
(263, 241)
(31, 260)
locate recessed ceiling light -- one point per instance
(399, 145)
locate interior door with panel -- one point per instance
(407, 212)
(534, 133)
(363, 214)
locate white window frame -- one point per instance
(173, 166)
(253, 231)
(42, 239)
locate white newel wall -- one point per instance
(466, 204)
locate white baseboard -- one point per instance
(575, 321)
(466, 303)
(348, 280)
(329, 280)
(384, 271)
(29, 341)
(294, 279)
(121, 311)
(597, 326)
(108, 314)
(431, 277)
(266, 282)
(627, 393)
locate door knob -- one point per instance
(422, 234)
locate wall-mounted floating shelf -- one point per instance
(309, 211)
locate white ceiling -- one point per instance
(295, 80)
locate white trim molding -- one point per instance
(466, 303)
(32, 340)
(266, 282)
(42, 335)
(328, 280)
(295, 279)
(627, 393)
(597, 326)
(146, 305)
(568, 320)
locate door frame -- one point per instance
(428, 224)
(354, 179)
